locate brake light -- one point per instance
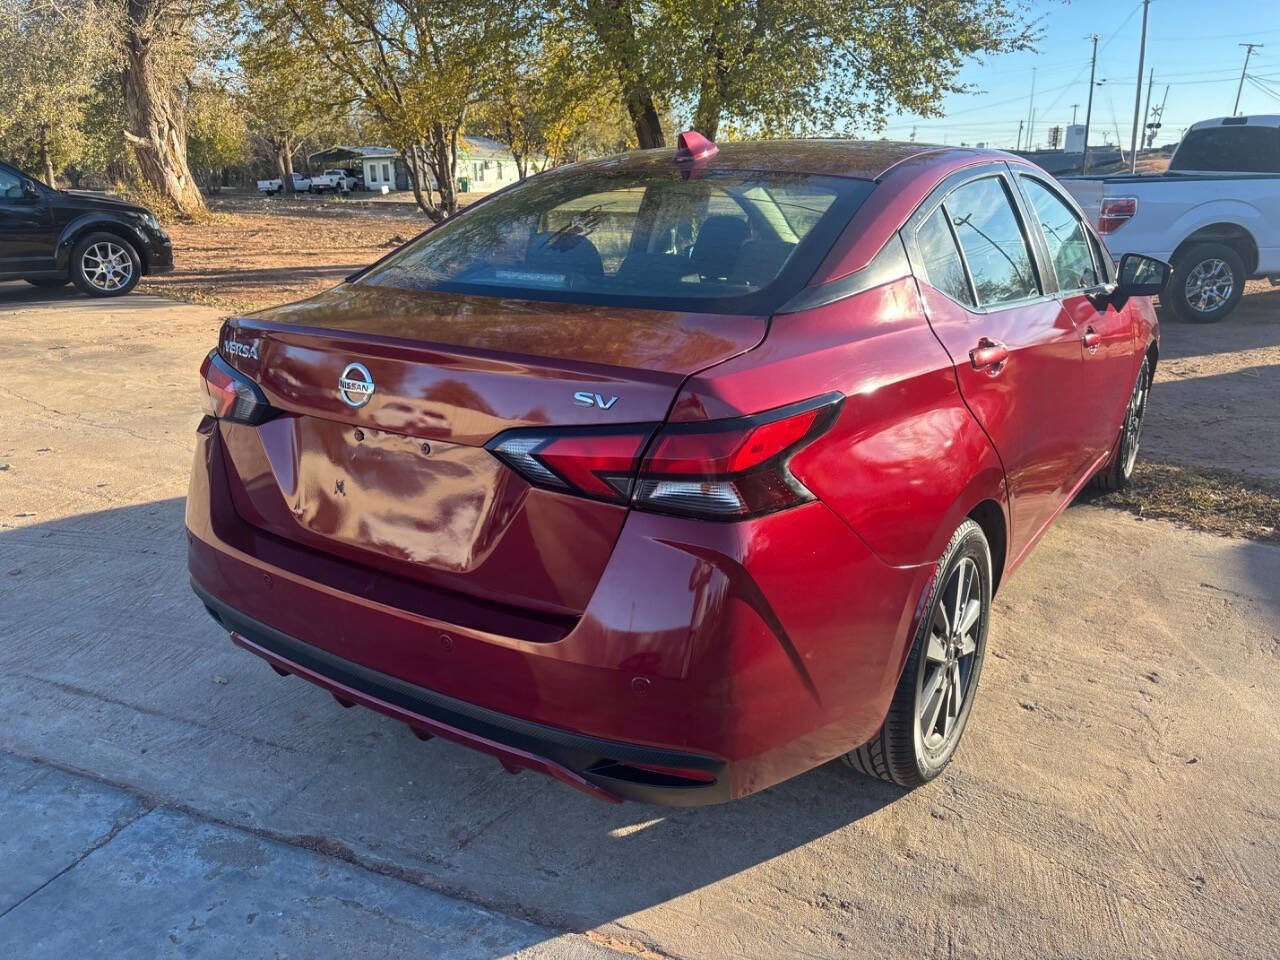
(230, 394)
(594, 463)
(719, 469)
(730, 469)
(1115, 213)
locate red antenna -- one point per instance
(691, 145)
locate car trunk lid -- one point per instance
(395, 476)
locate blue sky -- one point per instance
(1192, 44)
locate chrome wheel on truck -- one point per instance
(1207, 282)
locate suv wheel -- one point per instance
(936, 690)
(105, 265)
(1207, 282)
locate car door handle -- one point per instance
(1091, 339)
(989, 353)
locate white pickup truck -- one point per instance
(336, 180)
(300, 185)
(1214, 214)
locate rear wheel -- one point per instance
(935, 693)
(48, 283)
(1206, 283)
(105, 265)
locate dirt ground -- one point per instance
(260, 251)
(1117, 793)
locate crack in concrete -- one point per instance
(92, 849)
(338, 851)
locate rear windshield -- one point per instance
(1239, 149)
(731, 241)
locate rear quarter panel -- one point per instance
(905, 461)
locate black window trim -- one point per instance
(1035, 242)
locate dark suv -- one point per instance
(52, 237)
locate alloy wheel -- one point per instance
(1133, 417)
(1209, 285)
(107, 266)
(947, 673)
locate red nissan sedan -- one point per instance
(675, 474)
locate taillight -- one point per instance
(1115, 212)
(730, 469)
(719, 469)
(595, 463)
(231, 395)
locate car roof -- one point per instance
(860, 159)
(1254, 120)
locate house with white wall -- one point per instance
(484, 165)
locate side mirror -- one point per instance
(29, 190)
(1141, 276)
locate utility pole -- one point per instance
(1156, 114)
(1074, 107)
(1137, 96)
(1248, 52)
(1031, 119)
(1019, 146)
(1146, 114)
(1088, 110)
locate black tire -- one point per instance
(910, 750)
(48, 283)
(89, 258)
(1222, 275)
(1119, 471)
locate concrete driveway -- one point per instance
(163, 794)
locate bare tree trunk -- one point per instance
(644, 116)
(613, 23)
(46, 160)
(412, 156)
(444, 148)
(156, 127)
(706, 116)
(286, 165)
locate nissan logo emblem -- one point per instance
(355, 386)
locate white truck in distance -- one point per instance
(1214, 214)
(335, 180)
(300, 185)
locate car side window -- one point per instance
(942, 266)
(994, 246)
(10, 186)
(1073, 261)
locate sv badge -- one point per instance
(584, 399)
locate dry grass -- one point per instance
(1218, 501)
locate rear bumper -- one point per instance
(596, 767)
(739, 654)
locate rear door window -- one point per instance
(995, 249)
(722, 242)
(942, 266)
(1065, 236)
